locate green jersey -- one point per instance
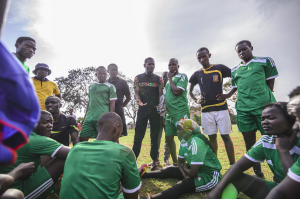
(25, 67)
(265, 149)
(100, 95)
(95, 169)
(250, 81)
(32, 152)
(196, 151)
(294, 171)
(177, 104)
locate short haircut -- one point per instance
(111, 65)
(43, 113)
(282, 106)
(244, 41)
(174, 59)
(109, 118)
(148, 59)
(54, 97)
(164, 73)
(21, 39)
(295, 92)
(201, 49)
(100, 67)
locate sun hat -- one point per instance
(41, 65)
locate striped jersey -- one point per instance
(294, 171)
(250, 81)
(100, 95)
(265, 149)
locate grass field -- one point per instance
(153, 186)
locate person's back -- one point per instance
(95, 169)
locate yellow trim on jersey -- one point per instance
(213, 71)
(220, 104)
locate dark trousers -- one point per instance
(143, 116)
(162, 127)
(120, 111)
(182, 187)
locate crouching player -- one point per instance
(279, 147)
(95, 169)
(202, 171)
(42, 180)
(290, 186)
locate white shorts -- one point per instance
(213, 120)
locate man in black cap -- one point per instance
(25, 49)
(44, 87)
(122, 90)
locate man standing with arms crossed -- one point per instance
(214, 114)
(176, 104)
(147, 89)
(254, 79)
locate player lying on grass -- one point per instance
(202, 171)
(41, 182)
(95, 169)
(279, 147)
(290, 186)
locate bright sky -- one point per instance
(74, 34)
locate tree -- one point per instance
(227, 87)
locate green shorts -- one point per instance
(271, 184)
(89, 128)
(249, 120)
(207, 181)
(38, 185)
(170, 127)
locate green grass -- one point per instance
(153, 186)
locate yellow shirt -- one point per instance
(44, 89)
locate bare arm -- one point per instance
(192, 171)
(288, 188)
(271, 83)
(137, 96)
(181, 162)
(283, 145)
(59, 96)
(231, 175)
(134, 195)
(75, 138)
(62, 152)
(198, 101)
(128, 98)
(160, 92)
(112, 105)
(87, 107)
(175, 90)
(226, 96)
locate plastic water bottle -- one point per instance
(161, 103)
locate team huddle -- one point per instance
(103, 168)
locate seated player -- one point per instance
(290, 186)
(63, 126)
(95, 169)
(41, 182)
(272, 147)
(202, 171)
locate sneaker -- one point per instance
(167, 163)
(151, 163)
(175, 164)
(142, 169)
(155, 168)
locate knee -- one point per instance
(13, 194)
(226, 138)
(169, 139)
(212, 138)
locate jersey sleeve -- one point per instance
(294, 171)
(199, 150)
(183, 82)
(193, 79)
(270, 69)
(136, 82)
(73, 126)
(131, 180)
(181, 153)
(112, 93)
(226, 72)
(55, 89)
(44, 146)
(256, 153)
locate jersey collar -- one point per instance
(241, 64)
(40, 80)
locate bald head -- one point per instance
(52, 104)
(110, 127)
(173, 60)
(148, 59)
(53, 98)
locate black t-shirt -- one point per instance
(211, 84)
(149, 89)
(122, 90)
(63, 128)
